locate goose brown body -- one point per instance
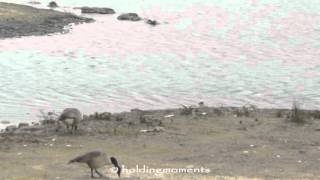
(70, 117)
(95, 160)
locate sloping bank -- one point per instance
(20, 20)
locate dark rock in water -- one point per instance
(129, 17)
(96, 10)
(21, 20)
(152, 22)
(53, 4)
(35, 124)
(11, 128)
(5, 122)
(23, 125)
(34, 2)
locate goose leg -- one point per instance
(98, 173)
(92, 173)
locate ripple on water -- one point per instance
(219, 52)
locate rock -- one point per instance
(201, 104)
(5, 122)
(129, 17)
(35, 124)
(21, 125)
(21, 20)
(105, 116)
(96, 10)
(34, 2)
(150, 120)
(152, 22)
(53, 4)
(11, 128)
(48, 122)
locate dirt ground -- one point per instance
(260, 145)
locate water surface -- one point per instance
(263, 52)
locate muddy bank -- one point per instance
(241, 143)
(20, 20)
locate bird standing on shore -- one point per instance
(70, 117)
(95, 160)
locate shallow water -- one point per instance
(261, 52)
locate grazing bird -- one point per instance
(70, 117)
(95, 160)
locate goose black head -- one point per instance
(115, 163)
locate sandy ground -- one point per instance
(20, 20)
(260, 145)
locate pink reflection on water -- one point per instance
(110, 37)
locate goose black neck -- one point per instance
(115, 163)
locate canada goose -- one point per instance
(70, 117)
(95, 160)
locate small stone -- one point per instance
(169, 116)
(21, 125)
(143, 130)
(97, 10)
(11, 128)
(34, 2)
(129, 17)
(53, 4)
(152, 22)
